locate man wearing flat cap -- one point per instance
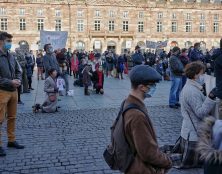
(137, 57)
(176, 73)
(138, 127)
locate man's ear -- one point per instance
(142, 88)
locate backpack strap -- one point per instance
(133, 106)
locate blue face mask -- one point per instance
(151, 91)
(7, 46)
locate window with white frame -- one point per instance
(111, 25)
(188, 16)
(174, 27)
(160, 15)
(97, 13)
(40, 12)
(4, 24)
(174, 16)
(21, 11)
(22, 25)
(202, 16)
(58, 25)
(125, 25)
(111, 14)
(80, 25)
(2, 11)
(188, 27)
(216, 27)
(159, 27)
(79, 13)
(40, 24)
(140, 27)
(97, 25)
(216, 17)
(141, 14)
(58, 13)
(202, 27)
(125, 14)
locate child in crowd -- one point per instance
(98, 79)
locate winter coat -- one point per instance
(39, 62)
(74, 64)
(209, 154)
(9, 70)
(120, 64)
(195, 105)
(29, 65)
(176, 66)
(86, 76)
(22, 61)
(196, 55)
(142, 139)
(218, 72)
(95, 79)
(184, 59)
(49, 62)
(137, 58)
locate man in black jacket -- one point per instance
(218, 75)
(10, 80)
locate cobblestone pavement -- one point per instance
(72, 141)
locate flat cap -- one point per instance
(144, 74)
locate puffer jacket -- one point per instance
(211, 156)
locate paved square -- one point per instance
(73, 140)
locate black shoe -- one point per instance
(15, 145)
(173, 106)
(178, 104)
(2, 152)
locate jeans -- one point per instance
(176, 86)
(65, 77)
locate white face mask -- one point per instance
(200, 79)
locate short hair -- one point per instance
(4, 35)
(183, 50)
(51, 71)
(46, 46)
(197, 44)
(193, 69)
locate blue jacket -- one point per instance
(137, 58)
(196, 55)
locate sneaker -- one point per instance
(2, 152)
(15, 145)
(173, 106)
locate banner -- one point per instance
(155, 45)
(57, 39)
(128, 44)
(97, 44)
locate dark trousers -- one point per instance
(212, 168)
(30, 82)
(19, 93)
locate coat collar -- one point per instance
(135, 100)
(194, 83)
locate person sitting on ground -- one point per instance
(98, 80)
(50, 87)
(210, 145)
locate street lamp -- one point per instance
(70, 38)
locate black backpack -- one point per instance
(118, 154)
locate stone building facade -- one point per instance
(114, 24)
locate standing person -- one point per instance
(138, 128)
(49, 60)
(176, 73)
(33, 60)
(109, 62)
(87, 79)
(126, 57)
(39, 62)
(10, 80)
(196, 54)
(29, 67)
(185, 60)
(91, 56)
(69, 56)
(22, 61)
(218, 75)
(137, 56)
(120, 66)
(74, 64)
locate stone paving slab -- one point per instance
(72, 141)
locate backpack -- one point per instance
(118, 154)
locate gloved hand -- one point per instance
(213, 94)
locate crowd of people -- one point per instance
(185, 68)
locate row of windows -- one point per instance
(125, 25)
(188, 16)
